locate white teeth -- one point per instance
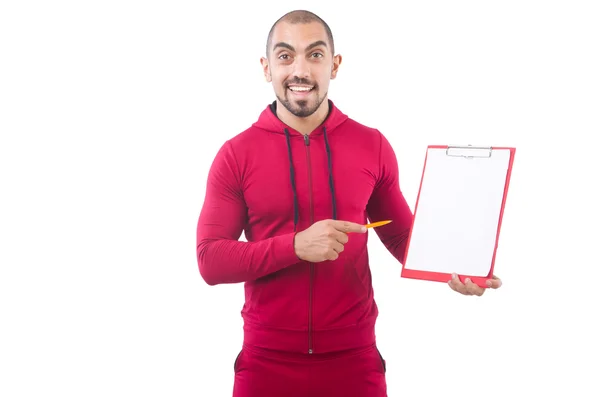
(295, 88)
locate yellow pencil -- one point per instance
(375, 224)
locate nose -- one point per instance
(301, 68)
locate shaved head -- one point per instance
(300, 63)
(300, 17)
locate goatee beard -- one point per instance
(300, 108)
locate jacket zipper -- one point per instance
(311, 265)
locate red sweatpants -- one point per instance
(262, 373)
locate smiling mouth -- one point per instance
(300, 89)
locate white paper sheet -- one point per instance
(456, 218)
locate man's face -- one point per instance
(300, 66)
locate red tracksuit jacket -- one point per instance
(270, 182)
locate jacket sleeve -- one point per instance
(221, 257)
(388, 202)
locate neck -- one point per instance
(304, 125)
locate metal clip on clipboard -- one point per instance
(461, 151)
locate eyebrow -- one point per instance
(289, 47)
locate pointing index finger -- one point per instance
(349, 227)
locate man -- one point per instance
(300, 183)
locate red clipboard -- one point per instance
(458, 213)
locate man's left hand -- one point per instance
(470, 288)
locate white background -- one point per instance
(111, 113)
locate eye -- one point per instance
(317, 55)
(284, 57)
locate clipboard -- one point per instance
(458, 214)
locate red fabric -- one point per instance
(291, 305)
(359, 373)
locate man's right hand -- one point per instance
(324, 240)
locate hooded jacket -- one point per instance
(271, 182)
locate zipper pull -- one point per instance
(306, 140)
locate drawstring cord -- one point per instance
(331, 186)
(293, 177)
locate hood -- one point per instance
(269, 121)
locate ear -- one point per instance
(266, 71)
(337, 61)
